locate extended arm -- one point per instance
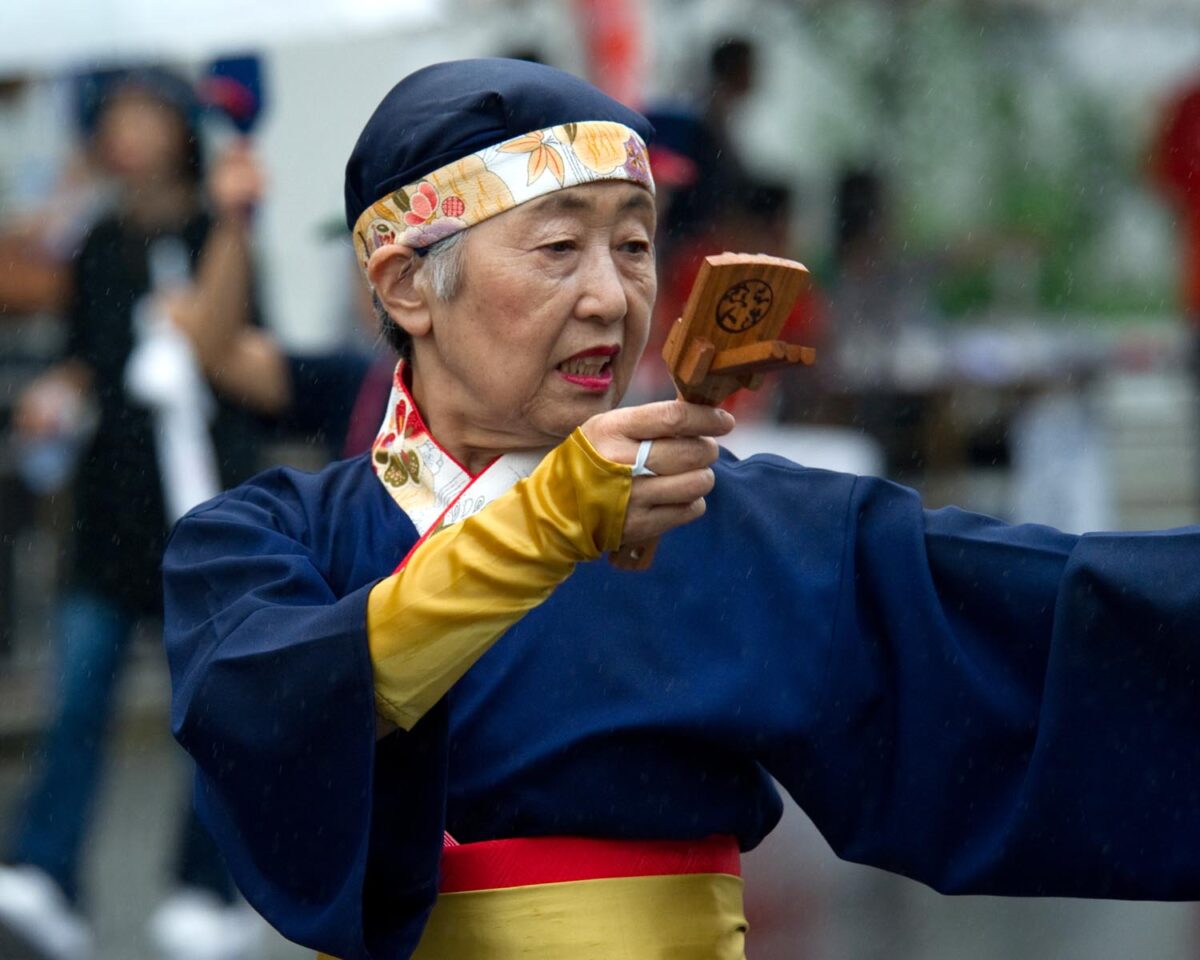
(1008, 710)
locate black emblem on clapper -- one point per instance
(744, 305)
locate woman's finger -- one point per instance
(673, 455)
(617, 434)
(672, 418)
(650, 492)
(646, 524)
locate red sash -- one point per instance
(527, 861)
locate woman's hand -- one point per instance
(52, 404)
(236, 183)
(681, 457)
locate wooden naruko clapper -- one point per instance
(727, 339)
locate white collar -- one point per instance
(426, 482)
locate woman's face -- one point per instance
(139, 139)
(550, 321)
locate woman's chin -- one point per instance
(568, 416)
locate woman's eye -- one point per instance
(638, 247)
(559, 246)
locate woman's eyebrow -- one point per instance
(638, 201)
(574, 202)
(562, 203)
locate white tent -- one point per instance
(51, 34)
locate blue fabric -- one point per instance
(93, 639)
(986, 708)
(93, 632)
(449, 110)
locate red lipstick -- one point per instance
(590, 369)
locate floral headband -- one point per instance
(498, 178)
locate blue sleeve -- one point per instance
(1008, 709)
(273, 697)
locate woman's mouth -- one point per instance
(590, 369)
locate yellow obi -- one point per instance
(572, 898)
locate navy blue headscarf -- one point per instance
(449, 110)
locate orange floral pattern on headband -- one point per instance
(542, 156)
(498, 178)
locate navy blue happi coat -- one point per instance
(986, 708)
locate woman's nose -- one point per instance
(602, 297)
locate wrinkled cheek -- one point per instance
(546, 416)
(636, 339)
(636, 336)
(490, 383)
(517, 388)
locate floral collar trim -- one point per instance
(425, 481)
(420, 476)
(500, 177)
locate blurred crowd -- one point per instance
(164, 388)
(143, 375)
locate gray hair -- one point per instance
(441, 264)
(444, 261)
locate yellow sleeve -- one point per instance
(466, 585)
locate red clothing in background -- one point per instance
(1176, 168)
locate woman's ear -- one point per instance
(390, 270)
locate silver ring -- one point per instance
(639, 464)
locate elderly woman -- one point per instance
(427, 724)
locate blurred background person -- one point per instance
(881, 312)
(702, 130)
(50, 192)
(163, 237)
(761, 221)
(708, 203)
